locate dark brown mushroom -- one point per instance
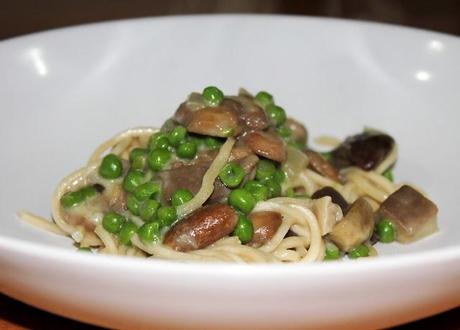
(356, 226)
(298, 131)
(266, 145)
(203, 227)
(366, 150)
(320, 165)
(252, 116)
(190, 177)
(266, 224)
(412, 214)
(336, 197)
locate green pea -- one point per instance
(158, 158)
(132, 180)
(332, 252)
(72, 198)
(388, 174)
(359, 252)
(127, 231)
(88, 192)
(112, 222)
(279, 176)
(274, 188)
(244, 229)
(228, 131)
(290, 192)
(111, 167)
(146, 190)
(242, 200)
(181, 196)
(257, 190)
(138, 158)
(149, 232)
(199, 140)
(386, 231)
(159, 140)
(167, 215)
(284, 131)
(213, 143)
(84, 249)
(297, 145)
(265, 169)
(133, 204)
(177, 135)
(264, 98)
(231, 175)
(212, 96)
(148, 209)
(276, 114)
(186, 150)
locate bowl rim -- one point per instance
(59, 254)
(212, 16)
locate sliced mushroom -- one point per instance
(413, 215)
(252, 116)
(266, 145)
(266, 224)
(298, 131)
(203, 227)
(355, 228)
(116, 197)
(317, 163)
(366, 150)
(336, 197)
(217, 121)
(188, 177)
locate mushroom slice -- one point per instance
(366, 150)
(266, 145)
(413, 215)
(355, 228)
(336, 197)
(321, 166)
(298, 131)
(203, 227)
(266, 224)
(215, 121)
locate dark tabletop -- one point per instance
(27, 16)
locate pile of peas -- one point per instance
(143, 194)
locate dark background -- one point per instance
(27, 16)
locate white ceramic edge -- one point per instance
(194, 16)
(59, 254)
(445, 257)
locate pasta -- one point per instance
(231, 179)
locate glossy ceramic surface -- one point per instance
(63, 92)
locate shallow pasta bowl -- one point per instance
(65, 91)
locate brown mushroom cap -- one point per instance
(366, 150)
(356, 226)
(266, 144)
(298, 131)
(266, 224)
(321, 166)
(413, 215)
(203, 227)
(336, 197)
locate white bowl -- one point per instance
(63, 92)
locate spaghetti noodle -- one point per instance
(234, 151)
